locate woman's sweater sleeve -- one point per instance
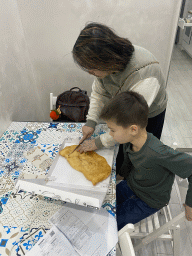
(99, 97)
(148, 87)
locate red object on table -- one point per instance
(55, 113)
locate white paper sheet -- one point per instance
(78, 231)
(53, 243)
(91, 232)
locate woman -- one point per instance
(118, 66)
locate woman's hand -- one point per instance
(87, 132)
(88, 145)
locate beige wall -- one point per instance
(37, 38)
(18, 84)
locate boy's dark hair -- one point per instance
(125, 109)
(98, 47)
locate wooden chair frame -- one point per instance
(53, 100)
(148, 230)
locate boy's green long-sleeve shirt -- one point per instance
(150, 172)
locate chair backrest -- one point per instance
(53, 100)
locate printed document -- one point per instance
(54, 243)
(78, 231)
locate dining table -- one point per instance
(24, 216)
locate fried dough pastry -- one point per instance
(94, 167)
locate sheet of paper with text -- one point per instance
(87, 231)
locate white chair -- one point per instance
(149, 230)
(53, 100)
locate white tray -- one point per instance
(67, 184)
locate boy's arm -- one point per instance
(188, 212)
(126, 166)
(188, 204)
(181, 165)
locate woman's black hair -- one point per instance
(99, 48)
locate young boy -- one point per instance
(149, 166)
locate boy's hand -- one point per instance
(88, 145)
(188, 212)
(118, 177)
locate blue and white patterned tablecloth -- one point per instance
(24, 216)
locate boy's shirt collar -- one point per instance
(129, 145)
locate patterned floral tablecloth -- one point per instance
(23, 215)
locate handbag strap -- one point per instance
(76, 88)
(153, 62)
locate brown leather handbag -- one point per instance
(74, 105)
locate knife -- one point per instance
(78, 146)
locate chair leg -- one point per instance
(176, 241)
